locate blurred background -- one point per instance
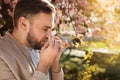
(90, 30)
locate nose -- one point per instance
(48, 33)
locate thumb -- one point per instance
(45, 46)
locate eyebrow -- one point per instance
(53, 28)
(47, 26)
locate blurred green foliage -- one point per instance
(93, 66)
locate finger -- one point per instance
(45, 45)
(56, 37)
(51, 40)
(57, 44)
(60, 48)
(58, 40)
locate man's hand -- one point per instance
(55, 67)
(50, 55)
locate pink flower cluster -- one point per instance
(6, 1)
(72, 13)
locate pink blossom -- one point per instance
(13, 3)
(6, 1)
(72, 1)
(1, 25)
(97, 32)
(80, 29)
(57, 1)
(1, 16)
(84, 4)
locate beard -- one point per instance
(34, 43)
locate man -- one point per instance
(29, 51)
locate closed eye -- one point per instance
(53, 29)
(45, 29)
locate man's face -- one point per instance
(40, 29)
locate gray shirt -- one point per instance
(35, 56)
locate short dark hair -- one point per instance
(28, 8)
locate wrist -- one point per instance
(56, 67)
(43, 68)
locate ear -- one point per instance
(23, 24)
